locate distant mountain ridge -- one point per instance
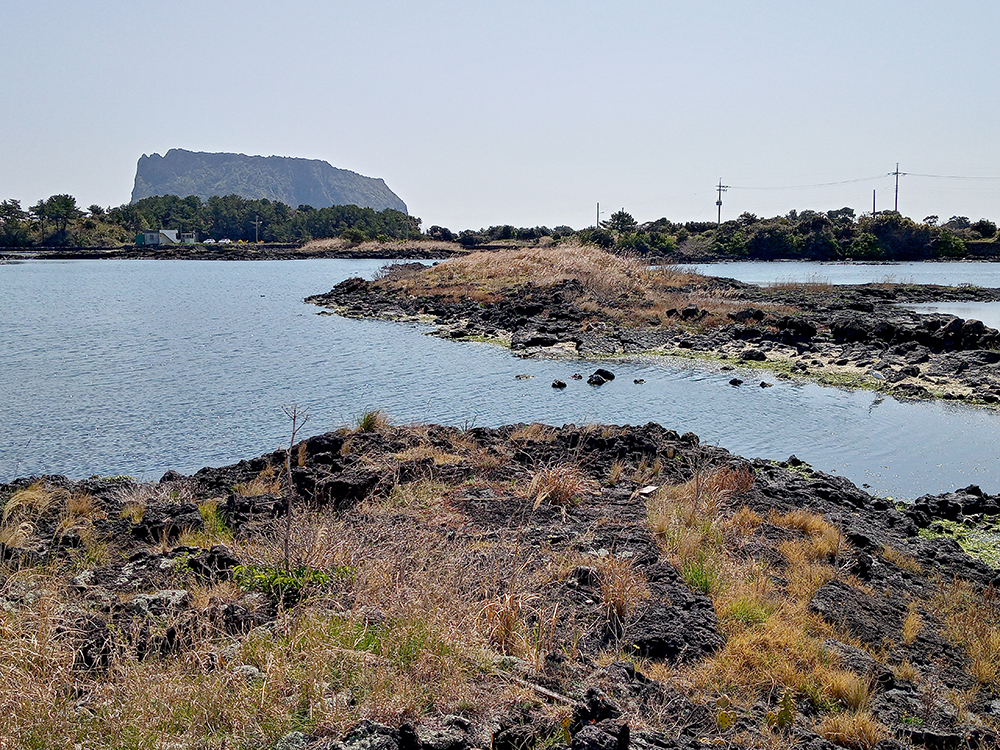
(291, 180)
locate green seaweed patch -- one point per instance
(493, 340)
(689, 354)
(802, 469)
(983, 543)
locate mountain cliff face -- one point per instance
(279, 178)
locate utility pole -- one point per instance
(256, 229)
(598, 224)
(873, 202)
(721, 188)
(897, 173)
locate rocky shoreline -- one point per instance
(526, 587)
(852, 336)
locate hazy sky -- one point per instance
(528, 113)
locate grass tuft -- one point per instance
(623, 588)
(561, 485)
(371, 420)
(858, 730)
(267, 482)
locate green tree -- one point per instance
(622, 221)
(60, 209)
(599, 237)
(13, 224)
(984, 228)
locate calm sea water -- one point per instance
(136, 367)
(985, 274)
(949, 274)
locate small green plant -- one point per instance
(371, 420)
(215, 525)
(287, 587)
(785, 713)
(748, 611)
(700, 574)
(726, 716)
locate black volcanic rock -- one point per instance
(278, 178)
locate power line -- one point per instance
(950, 176)
(815, 185)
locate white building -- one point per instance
(165, 237)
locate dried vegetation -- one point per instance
(480, 577)
(612, 287)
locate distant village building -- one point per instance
(166, 237)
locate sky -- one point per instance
(523, 113)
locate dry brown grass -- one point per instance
(685, 517)
(902, 560)
(743, 522)
(16, 535)
(615, 473)
(784, 651)
(823, 540)
(439, 456)
(503, 616)
(815, 284)
(912, 625)
(858, 729)
(623, 288)
(378, 249)
(972, 622)
(413, 630)
(773, 642)
(623, 588)
(267, 482)
(563, 485)
(33, 501)
(647, 470)
(491, 272)
(906, 671)
(535, 431)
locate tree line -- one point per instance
(807, 235)
(59, 222)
